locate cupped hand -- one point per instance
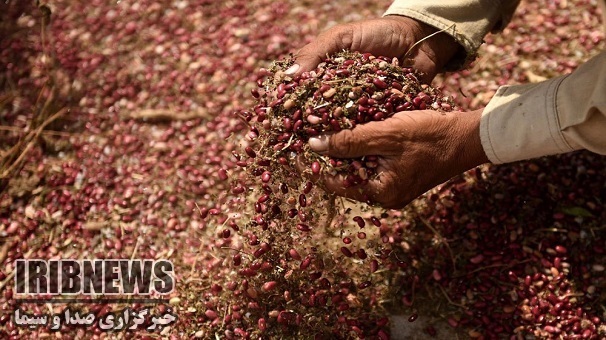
(417, 150)
(390, 36)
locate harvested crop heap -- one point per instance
(305, 274)
(344, 91)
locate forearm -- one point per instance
(467, 21)
(556, 116)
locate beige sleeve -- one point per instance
(467, 21)
(555, 116)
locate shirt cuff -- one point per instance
(521, 122)
(467, 21)
(471, 42)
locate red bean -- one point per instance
(379, 83)
(477, 259)
(270, 285)
(264, 248)
(403, 107)
(307, 188)
(237, 260)
(302, 200)
(222, 173)
(266, 176)
(250, 152)
(211, 314)
(294, 254)
(298, 125)
(364, 284)
(315, 167)
(342, 73)
(305, 264)
(334, 124)
(375, 221)
(324, 88)
(284, 188)
(302, 216)
(374, 265)
(378, 116)
(238, 190)
(360, 221)
(303, 227)
(346, 252)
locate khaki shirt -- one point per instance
(523, 121)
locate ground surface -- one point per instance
(116, 118)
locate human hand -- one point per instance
(417, 150)
(390, 36)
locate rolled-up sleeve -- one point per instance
(522, 121)
(467, 21)
(555, 116)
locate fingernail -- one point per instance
(293, 69)
(319, 144)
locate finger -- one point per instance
(335, 184)
(373, 138)
(376, 190)
(332, 41)
(338, 185)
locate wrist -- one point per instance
(468, 145)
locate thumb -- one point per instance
(308, 58)
(360, 141)
(329, 42)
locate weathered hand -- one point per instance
(417, 150)
(390, 36)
